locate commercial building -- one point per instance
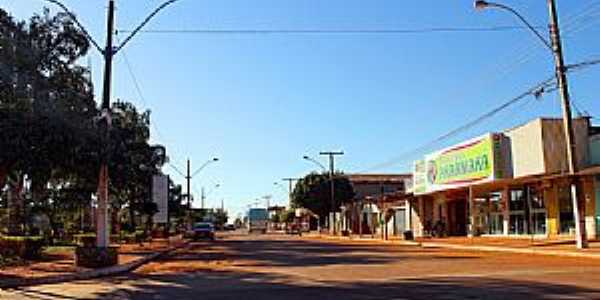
(513, 183)
(376, 203)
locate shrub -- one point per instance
(27, 247)
(91, 257)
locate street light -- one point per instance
(482, 5)
(555, 46)
(204, 166)
(306, 157)
(189, 177)
(204, 195)
(102, 237)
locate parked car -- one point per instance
(203, 230)
(229, 227)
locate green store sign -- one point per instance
(477, 160)
(462, 164)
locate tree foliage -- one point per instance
(314, 192)
(52, 143)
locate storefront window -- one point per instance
(537, 211)
(496, 219)
(567, 220)
(518, 200)
(517, 219)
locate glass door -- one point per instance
(565, 206)
(537, 211)
(517, 221)
(496, 219)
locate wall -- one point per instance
(555, 148)
(527, 149)
(374, 189)
(539, 146)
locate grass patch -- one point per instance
(58, 249)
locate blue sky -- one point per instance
(261, 102)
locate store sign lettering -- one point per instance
(473, 161)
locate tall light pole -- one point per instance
(190, 175)
(556, 47)
(204, 195)
(102, 237)
(290, 184)
(332, 155)
(316, 162)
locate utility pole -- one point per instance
(290, 187)
(203, 196)
(108, 53)
(332, 155)
(188, 179)
(102, 236)
(563, 86)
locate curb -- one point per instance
(512, 250)
(365, 240)
(424, 245)
(109, 271)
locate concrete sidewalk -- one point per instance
(565, 248)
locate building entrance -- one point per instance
(457, 217)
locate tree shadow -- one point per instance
(251, 285)
(302, 253)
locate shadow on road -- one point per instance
(250, 282)
(236, 285)
(302, 253)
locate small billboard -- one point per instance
(160, 196)
(478, 160)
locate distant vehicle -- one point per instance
(258, 220)
(203, 230)
(229, 227)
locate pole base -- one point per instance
(93, 257)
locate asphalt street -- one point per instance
(240, 266)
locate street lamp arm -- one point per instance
(202, 167)
(216, 186)
(520, 17)
(144, 23)
(81, 27)
(177, 170)
(315, 162)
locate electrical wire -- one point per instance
(334, 31)
(532, 91)
(144, 102)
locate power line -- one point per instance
(571, 27)
(143, 99)
(535, 90)
(335, 31)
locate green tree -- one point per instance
(314, 192)
(288, 216)
(49, 134)
(177, 207)
(46, 102)
(221, 217)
